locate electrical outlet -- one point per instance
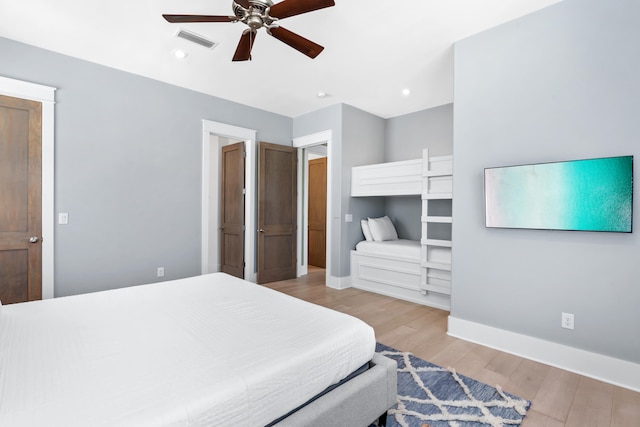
(160, 271)
(567, 321)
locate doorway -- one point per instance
(303, 144)
(46, 96)
(214, 136)
(20, 198)
(317, 209)
(231, 209)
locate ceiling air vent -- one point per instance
(195, 38)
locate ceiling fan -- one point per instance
(263, 13)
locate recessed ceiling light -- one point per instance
(406, 92)
(179, 54)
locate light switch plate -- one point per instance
(348, 218)
(63, 218)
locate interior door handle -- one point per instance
(261, 230)
(33, 239)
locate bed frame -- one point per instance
(426, 280)
(358, 402)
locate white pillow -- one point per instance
(382, 229)
(365, 230)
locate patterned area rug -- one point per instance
(432, 396)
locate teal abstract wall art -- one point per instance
(581, 195)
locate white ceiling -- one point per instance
(373, 48)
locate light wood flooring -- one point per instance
(559, 398)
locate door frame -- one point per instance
(46, 96)
(301, 143)
(210, 168)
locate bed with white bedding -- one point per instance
(208, 350)
(393, 268)
(388, 267)
(402, 248)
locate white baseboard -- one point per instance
(600, 367)
(338, 282)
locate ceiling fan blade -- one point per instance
(243, 51)
(198, 18)
(243, 3)
(287, 8)
(297, 42)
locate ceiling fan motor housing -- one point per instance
(256, 16)
(254, 22)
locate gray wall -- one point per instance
(128, 168)
(405, 138)
(357, 139)
(362, 144)
(559, 84)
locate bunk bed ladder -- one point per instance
(437, 197)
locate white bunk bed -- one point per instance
(422, 273)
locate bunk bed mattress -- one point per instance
(402, 248)
(208, 350)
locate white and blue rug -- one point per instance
(437, 397)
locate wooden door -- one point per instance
(277, 220)
(232, 210)
(317, 214)
(20, 200)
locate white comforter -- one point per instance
(211, 350)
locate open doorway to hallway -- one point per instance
(313, 146)
(316, 186)
(215, 135)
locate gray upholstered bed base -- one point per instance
(357, 403)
